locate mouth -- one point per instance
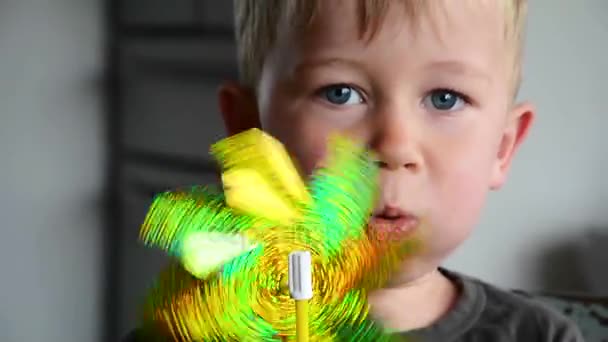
(392, 224)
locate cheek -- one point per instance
(462, 174)
(460, 194)
(463, 197)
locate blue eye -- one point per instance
(341, 95)
(444, 100)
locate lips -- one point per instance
(391, 223)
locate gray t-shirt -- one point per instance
(485, 313)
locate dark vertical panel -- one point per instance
(113, 207)
(164, 62)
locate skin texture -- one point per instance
(432, 99)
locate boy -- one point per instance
(430, 86)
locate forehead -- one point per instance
(365, 16)
(474, 28)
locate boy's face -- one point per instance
(433, 100)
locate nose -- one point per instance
(394, 142)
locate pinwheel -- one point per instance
(231, 247)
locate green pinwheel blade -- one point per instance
(343, 195)
(173, 216)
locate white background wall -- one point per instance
(50, 171)
(534, 234)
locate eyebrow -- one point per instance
(451, 66)
(460, 68)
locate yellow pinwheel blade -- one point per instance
(206, 252)
(277, 176)
(246, 190)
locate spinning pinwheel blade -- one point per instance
(230, 279)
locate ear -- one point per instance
(238, 107)
(518, 126)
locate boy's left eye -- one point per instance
(341, 94)
(444, 100)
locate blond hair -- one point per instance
(257, 23)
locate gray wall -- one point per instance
(50, 171)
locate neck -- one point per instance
(414, 304)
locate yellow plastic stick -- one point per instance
(300, 288)
(302, 320)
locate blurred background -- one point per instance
(104, 103)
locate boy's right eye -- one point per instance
(341, 94)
